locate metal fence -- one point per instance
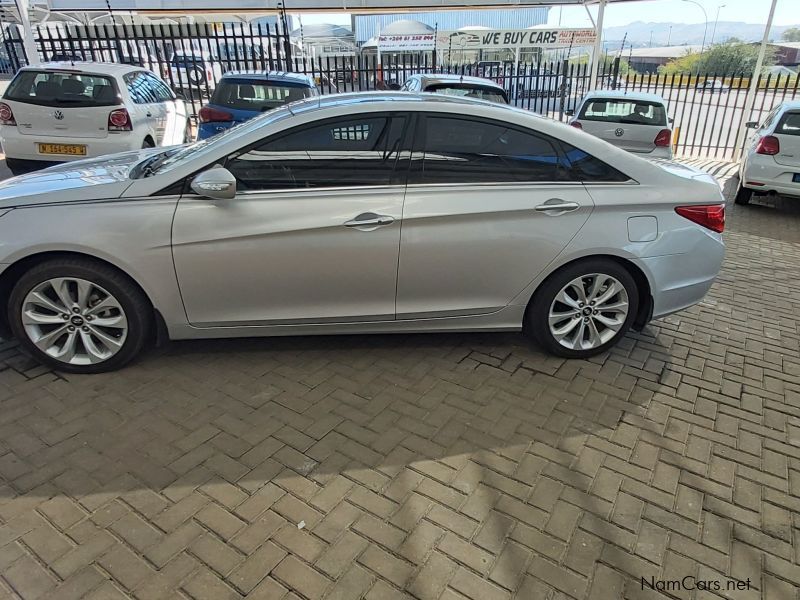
(193, 57)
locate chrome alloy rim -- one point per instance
(74, 321)
(588, 311)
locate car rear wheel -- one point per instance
(743, 195)
(79, 316)
(583, 309)
(187, 132)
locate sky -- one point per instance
(666, 11)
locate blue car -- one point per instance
(242, 95)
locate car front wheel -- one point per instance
(583, 309)
(79, 316)
(743, 195)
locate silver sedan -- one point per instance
(355, 213)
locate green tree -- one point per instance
(720, 59)
(791, 35)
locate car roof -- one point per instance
(89, 67)
(624, 95)
(790, 105)
(434, 78)
(278, 76)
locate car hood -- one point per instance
(91, 179)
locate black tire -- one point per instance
(148, 143)
(137, 308)
(537, 316)
(196, 76)
(743, 195)
(187, 132)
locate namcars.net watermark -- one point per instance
(690, 582)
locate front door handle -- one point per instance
(556, 206)
(370, 220)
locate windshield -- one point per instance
(63, 88)
(464, 90)
(170, 160)
(255, 95)
(633, 112)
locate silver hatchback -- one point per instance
(355, 213)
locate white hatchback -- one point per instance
(635, 122)
(57, 112)
(771, 160)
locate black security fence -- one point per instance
(706, 111)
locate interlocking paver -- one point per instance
(436, 467)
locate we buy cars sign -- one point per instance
(517, 38)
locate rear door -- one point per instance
(62, 103)
(148, 113)
(787, 130)
(172, 112)
(630, 124)
(487, 208)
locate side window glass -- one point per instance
(459, 150)
(585, 167)
(160, 91)
(348, 152)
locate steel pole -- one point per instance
(598, 45)
(27, 32)
(751, 92)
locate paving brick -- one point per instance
(299, 576)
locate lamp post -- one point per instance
(714, 30)
(705, 29)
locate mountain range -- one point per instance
(640, 33)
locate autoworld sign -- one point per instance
(488, 39)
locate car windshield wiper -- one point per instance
(149, 166)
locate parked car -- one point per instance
(290, 224)
(770, 163)
(635, 122)
(456, 85)
(242, 95)
(712, 85)
(194, 69)
(56, 112)
(542, 83)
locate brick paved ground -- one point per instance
(435, 466)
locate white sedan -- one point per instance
(58, 112)
(771, 160)
(634, 121)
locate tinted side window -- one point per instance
(344, 152)
(585, 167)
(160, 90)
(140, 89)
(457, 150)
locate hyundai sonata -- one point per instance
(355, 213)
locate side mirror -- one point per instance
(751, 124)
(216, 183)
(569, 112)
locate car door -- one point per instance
(312, 235)
(787, 130)
(145, 115)
(172, 109)
(487, 208)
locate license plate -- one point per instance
(796, 178)
(69, 149)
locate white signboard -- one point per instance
(488, 39)
(520, 38)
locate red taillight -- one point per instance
(663, 138)
(209, 114)
(119, 120)
(576, 124)
(768, 144)
(6, 115)
(711, 216)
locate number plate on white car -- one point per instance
(70, 149)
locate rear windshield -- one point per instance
(469, 91)
(256, 95)
(789, 124)
(630, 112)
(63, 88)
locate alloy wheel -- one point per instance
(74, 320)
(588, 312)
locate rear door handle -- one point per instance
(556, 205)
(370, 220)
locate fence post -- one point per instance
(615, 73)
